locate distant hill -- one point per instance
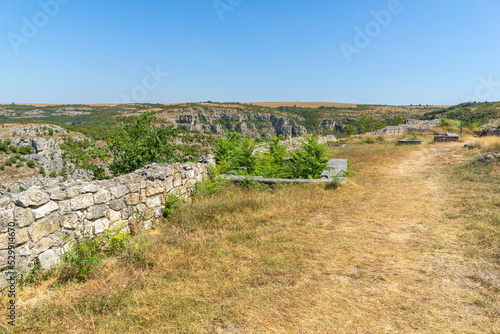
(470, 113)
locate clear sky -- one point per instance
(365, 51)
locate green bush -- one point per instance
(236, 154)
(19, 164)
(31, 164)
(173, 203)
(53, 174)
(26, 150)
(85, 255)
(308, 162)
(9, 162)
(141, 143)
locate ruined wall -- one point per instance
(41, 216)
(411, 125)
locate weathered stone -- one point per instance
(45, 210)
(23, 217)
(119, 191)
(4, 201)
(125, 213)
(101, 225)
(141, 208)
(169, 184)
(117, 204)
(73, 192)
(177, 180)
(152, 202)
(43, 244)
(48, 259)
(113, 215)
(6, 217)
(31, 198)
(90, 188)
(96, 211)
(134, 187)
(154, 188)
(102, 196)
(82, 202)
(44, 227)
(132, 199)
(168, 171)
(65, 206)
(21, 237)
(70, 221)
(58, 196)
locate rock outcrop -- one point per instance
(211, 121)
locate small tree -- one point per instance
(141, 143)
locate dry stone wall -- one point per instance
(42, 216)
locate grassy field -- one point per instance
(410, 244)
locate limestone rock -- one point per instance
(48, 259)
(45, 210)
(31, 198)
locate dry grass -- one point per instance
(408, 245)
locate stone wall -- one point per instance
(42, 216)
(410, 126)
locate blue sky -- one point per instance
(426, 52)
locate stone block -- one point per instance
(118, 191)
(132, 199)
(117, 204)
(58, 195)
(31, 198)
(44, 227)
(177, 180)
(96, 211)
(21, 237)
(23, 217)
(153, 202)
(154, 188)
(65, 206)
(45, 210)
(42, 245)
(6, 217)
(73, 192)
(102, 196)
(101, 225)
(48, 259)
(90, 188)
(82, 202)
(114, 216)
(134, 187)
(70, 221)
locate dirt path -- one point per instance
(398, 262)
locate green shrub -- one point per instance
(236, 154)
(31, 164)
(2, 167)
(85, 255)
(141, 143)
(42, 171)
(19, 164)
(13, 149)
(26, 150)
(308, 162)
(53, 174)
(9, 162)
(173, 203)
